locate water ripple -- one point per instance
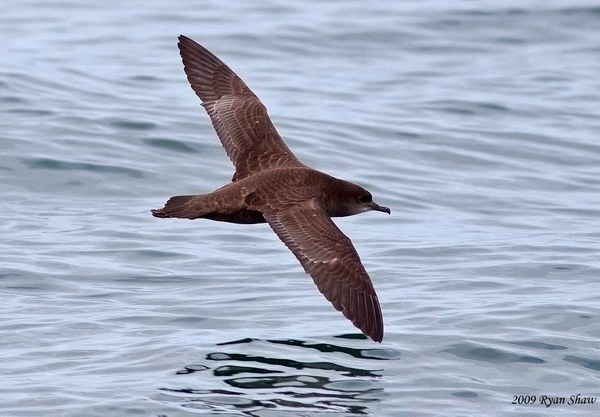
(256, 382)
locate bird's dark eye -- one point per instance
(364, 198)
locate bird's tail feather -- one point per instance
(181, 206)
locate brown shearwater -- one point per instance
(271, 185)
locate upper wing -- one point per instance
(238, 116)
(331, 260)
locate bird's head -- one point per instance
(364, 202)
(350, 199)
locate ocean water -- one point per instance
(477, 123)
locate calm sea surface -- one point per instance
(477, 123)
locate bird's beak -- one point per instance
(375, 206)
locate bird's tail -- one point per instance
(182, 206)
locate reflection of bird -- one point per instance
(271, 185)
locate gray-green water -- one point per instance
(478, 123)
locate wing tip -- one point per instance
(376, 320)
(371, 320)
(184, 39)
(377, 335)
(372, 328)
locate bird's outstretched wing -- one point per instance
(238, 116)
(331, 260)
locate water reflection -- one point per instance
(246, 379)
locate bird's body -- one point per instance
(245, 200)
(271, 185)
